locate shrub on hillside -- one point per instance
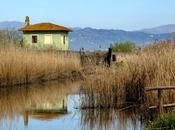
(126, 47)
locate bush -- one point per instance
(166, 122)
(127, 46)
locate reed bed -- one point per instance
(124, 83)
(23, 66)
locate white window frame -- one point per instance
(51, 39)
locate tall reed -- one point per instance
(125, 82)
(22, 66)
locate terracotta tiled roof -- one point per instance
(45, 27)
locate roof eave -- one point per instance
(23, 30)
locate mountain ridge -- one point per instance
(169, 28)
(11, 25)
(92, 39)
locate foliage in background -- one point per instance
(10, 37)
(126, 47)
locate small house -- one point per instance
(45, 35)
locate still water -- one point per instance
(55, 106)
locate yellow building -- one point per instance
(45, 35)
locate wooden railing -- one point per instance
(160, 104)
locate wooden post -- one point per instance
(114, 58)
(81, 56)
(160, 101)
(109, 56)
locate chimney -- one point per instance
(27, 21)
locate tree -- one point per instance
(126, 47)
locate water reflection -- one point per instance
(105, 119)
(47, 110)
(52, 106)
(44, 102)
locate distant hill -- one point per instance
(92, 39)
(11, 25)
(160, 29)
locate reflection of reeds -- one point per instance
(22, 66)
(105, 119)
(97, 119)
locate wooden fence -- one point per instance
(160, 104)
(87, 57)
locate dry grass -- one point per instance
(22, 66)
(125, 82)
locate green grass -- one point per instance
(167, 122)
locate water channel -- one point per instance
(55, 106)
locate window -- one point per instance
(34, 39)
(64, 39)
(48, 39)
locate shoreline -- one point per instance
(68, 76)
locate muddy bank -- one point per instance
(66, 76)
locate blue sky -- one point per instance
(107, 14)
